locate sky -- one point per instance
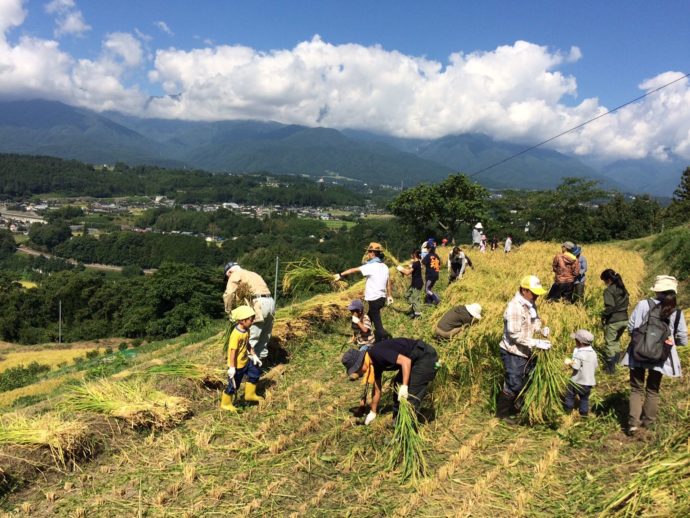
(516, 71)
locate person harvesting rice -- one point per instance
(566, 268)
(361, 325)
(456, 318)
(432, 263)
(584, 364)
(414, 360)
(657, 325)
(262, 302)
(520, 322)
(377, 290)
(241, 360)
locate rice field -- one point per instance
(303, 453)
(48, 356)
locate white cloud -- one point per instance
(164, 28)
(516, 92)
(68, 19)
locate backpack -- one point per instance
(648, 341)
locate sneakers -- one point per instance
(632, 431)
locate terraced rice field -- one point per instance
(303, 453)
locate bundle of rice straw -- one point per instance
(67, 439)
(302, 276)
(135, 402)
(407, 446)
(204, 375)
(542, 396)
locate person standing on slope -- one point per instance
(579, 284)
(566, 268)
(377, 289)
(261, 301)
(614, 317)
(520, 322)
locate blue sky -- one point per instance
(522, 70)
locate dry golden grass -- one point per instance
(48, 356)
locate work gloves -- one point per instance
(568, 361)
(400, 268)
(543, 344)
(337, 277)
(402, 392)
(255, 360)
(355, 319)
(545, 332)
(389, 301)
(231, 372)
(369, 418)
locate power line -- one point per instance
(576, 127)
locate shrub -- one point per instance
(21, 376)
(93, 353)
(137, 342)
(108, 350)
(122, 346)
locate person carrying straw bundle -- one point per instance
(377, 289)
(261, 301)
(520, 322)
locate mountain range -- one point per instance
(41, 127)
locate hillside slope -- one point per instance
(302, 453)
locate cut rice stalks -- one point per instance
(135, 402)
(202, 374)
(542, 396)
(407, 446)
(67, 440)
(302, 276)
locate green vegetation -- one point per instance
(21, 376)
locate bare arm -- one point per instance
(406, 367)
(350, 271)
(376, 394)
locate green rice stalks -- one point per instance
(661, 488)
(225, 339)
(407, 446)
(302, 276)
(542, 396)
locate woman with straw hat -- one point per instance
(377, 289)
(660, 312)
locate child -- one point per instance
(432, 262)
(361, 326)
(414, 292)
(241, 360)
(584, 362)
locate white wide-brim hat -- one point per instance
(475, 310)
(665, 283)
(478, 225)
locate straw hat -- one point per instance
(475, 310)
(665, 283)
(478, 225)
(374, 247)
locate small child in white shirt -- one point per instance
(584, 363)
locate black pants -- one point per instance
(561, 291)
(583, 392)
(424, 358)
(375, 307)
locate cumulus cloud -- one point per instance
(69, 19)
(164, 28)
(519, 92)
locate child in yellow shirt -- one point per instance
(241, 360)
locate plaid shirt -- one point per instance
(520, 322)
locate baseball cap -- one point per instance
(583, 336)
(356, 305)
(533, 284)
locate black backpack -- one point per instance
(648, 341)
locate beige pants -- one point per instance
(446, 334)
(644, 397)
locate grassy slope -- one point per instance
(302, 453)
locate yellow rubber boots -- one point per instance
(226, 403)
(250, 393)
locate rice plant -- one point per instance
(136, 402)
(542, 396)
(193, 371)
(407, 445)
(66, 439)
(303, 276)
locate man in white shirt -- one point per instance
(377, 290)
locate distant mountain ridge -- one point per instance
(52, 128)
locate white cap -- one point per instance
(475, 310)
(583, 336)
